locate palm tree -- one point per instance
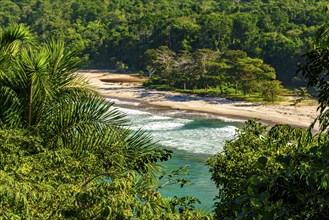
(82, 136)
(41, 91)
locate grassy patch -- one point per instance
(161, 87)
(229, 93)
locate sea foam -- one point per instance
(196, 135)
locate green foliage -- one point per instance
(280, 173)
(51, 165)
(271, 90)
(212, 70)
(66, 153)
(274, 31)
(302, 183)
(121, 67)
(315, 69)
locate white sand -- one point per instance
(128, 86)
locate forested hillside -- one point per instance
(66, 153)
(123, 30)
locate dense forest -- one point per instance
(282, 172)
(123, 30)
(66, 153)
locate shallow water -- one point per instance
(194, 137)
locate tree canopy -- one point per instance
(209, 69)
(112, 31)
(282, 172)
(66, 152)
(279, 173)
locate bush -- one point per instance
(281, 173)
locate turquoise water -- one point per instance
(194, 137)
(201, 186)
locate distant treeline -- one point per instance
(112, 31)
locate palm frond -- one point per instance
(32, 81)
(140, 151)
(82, 115)
(62, 62)
(62, 66)
(91, 123)
(14, 38)
(10, 111)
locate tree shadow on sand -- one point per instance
(184, 98)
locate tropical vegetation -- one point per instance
(216, 72)
(66, 152)
(282, 172)
(276, 31)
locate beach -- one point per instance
(129, 87)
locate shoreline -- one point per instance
(127, 87)
(155, 107)
(234, 118)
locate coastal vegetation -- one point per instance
(108, 32)
(280, 173)
(66, 153)
(209, 72)
(269, 38)
(283, 172)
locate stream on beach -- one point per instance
(194, 137)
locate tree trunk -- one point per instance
(30, 103)
(221, 89)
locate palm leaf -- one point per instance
(10, 111)
(80, 115)
(14, 38)
(63, 64)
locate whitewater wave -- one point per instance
(204, 141)
(199, 135)
(120, 102)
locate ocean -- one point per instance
(193, 137)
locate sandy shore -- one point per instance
(128, 86)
